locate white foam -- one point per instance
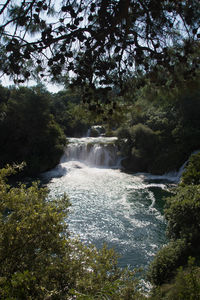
(100, 151)
(107, 204)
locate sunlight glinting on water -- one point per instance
(110, 206)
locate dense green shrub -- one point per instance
(183, 228)
(169, 158)
(174, 117)
(123, 133)
(28, 132)
(40, 261)
(185, 285)
(94, 132)
(167, 260)
(68, 112)
(124, 141)
(139, 144)
(191, 174)
(183, 214)
(143, 137)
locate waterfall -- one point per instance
(108, 205)
(99, 151)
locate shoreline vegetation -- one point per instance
(133, 68)
(155, 136)
(39, 260)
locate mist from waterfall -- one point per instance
(101, 151)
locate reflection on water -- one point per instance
(109, 206)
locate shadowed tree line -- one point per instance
(34, 124)
(161, 128)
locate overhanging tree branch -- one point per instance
(91, 32)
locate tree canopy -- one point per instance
(28, 130)
(38, 258)
(100, 43)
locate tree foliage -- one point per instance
(70, 114)
(101, 42)
(166, 262)
(186, 285)
(28, 130)
(139, 144)
(191, 174)
(173, 120)
(40, 261)
(182, 213)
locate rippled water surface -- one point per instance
(110, 206)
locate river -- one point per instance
(125, 211)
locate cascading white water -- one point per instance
(108, 205)
(92, 151)
(123, 210)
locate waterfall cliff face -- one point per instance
(99, 151)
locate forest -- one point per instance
(155, 135)
(140, 81)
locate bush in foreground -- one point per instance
(40, 261)
(183, 214)
(185, 285)
(191, 174)
(167, 261)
